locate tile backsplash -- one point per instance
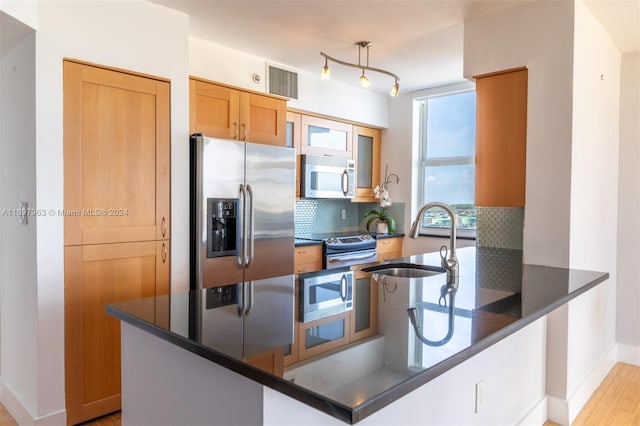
(324, 215)
(500, 227)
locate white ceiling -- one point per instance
(420, 41)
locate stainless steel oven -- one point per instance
(323, 294)
(348, 250)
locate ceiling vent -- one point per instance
(282, 82)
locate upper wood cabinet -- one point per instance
(294, 140)
(366, 154)
(501, 135)
(325, 137)
(221, 111)
(116, 156)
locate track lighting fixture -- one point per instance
(364, 80)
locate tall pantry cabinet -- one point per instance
(116, 225)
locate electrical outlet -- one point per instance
(343, 214)
(479, 395)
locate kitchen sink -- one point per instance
(405, 270)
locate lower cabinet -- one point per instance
(364, 316)
(308, 259)
(389, 248)
(96, 275)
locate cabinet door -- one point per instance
(307, 259)
(389, 248)
(326, 137)
(262, 119)
(293, 139)
(364, 316)
(366, 154)
(214, 110)
(116, 156)
(501, 134)
(96, 275)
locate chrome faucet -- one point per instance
(450, 262)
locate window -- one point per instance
(447, 141)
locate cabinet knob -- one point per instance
(164, 253)
(163, 226)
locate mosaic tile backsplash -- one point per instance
(324, 215)
(500, 227)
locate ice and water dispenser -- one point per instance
(222, 227)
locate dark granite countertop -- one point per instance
(497, 296)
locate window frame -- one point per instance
(421, 104)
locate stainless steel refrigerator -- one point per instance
(243, 197)
(242, 245)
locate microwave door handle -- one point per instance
(242, 195)
(345, 182)
(343, 288)
(249, 240)
(352, 257)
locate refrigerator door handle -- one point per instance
(242, 195)
(250, 228)
(250, 302)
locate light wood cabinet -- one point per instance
(325, 137)
(308, 258)
(389, 248)
(294, 140)
(96, 275)
(116, 156)
(501, 135)
(117, 224)
(221, 111)
(366, 153)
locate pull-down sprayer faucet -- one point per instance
(449, 263)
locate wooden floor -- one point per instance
(616, 402)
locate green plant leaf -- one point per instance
(370, 221)
(374, 213)
(391, 222)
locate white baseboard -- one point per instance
(629, 354)
(21, 414)
(563, 411)
(536, 416)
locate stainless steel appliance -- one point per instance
(327, 177)
(242, 211)
(323, 294)
(348, 250)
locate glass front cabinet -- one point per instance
(366, 153)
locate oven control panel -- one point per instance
(344, 241)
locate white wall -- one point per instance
(134, 35)
(594, 194)
(333, 98)
(18, 286)
(628, 290)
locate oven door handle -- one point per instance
(351, 257)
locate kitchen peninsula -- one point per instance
(472, 356)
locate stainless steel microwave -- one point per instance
(322, 294)
(327, 177)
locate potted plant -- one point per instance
(384, 223)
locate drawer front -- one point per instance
(387, 245)
(308, 259)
